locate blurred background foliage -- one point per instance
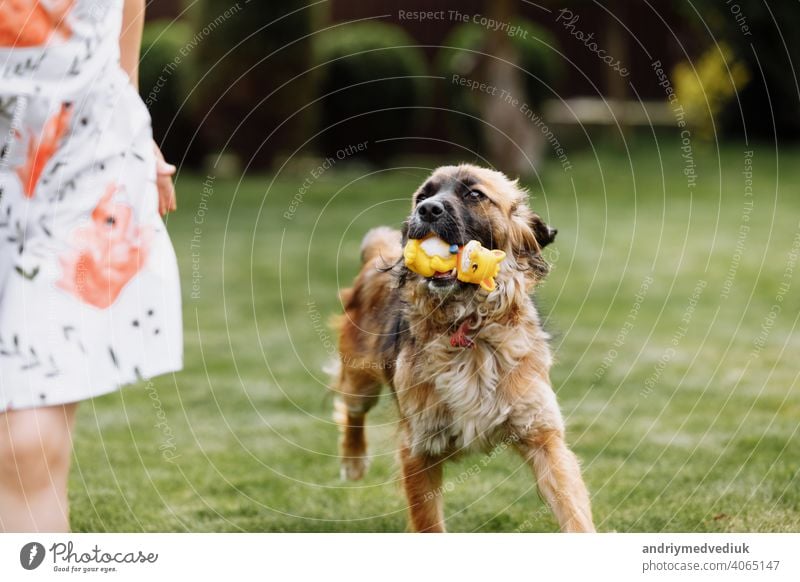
(371, 81)
(252, 77)
(464, 51)
(768, 49)
(708, 86)
(274, 82)
(165, 85)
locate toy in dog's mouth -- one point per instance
(445, 265)
(449, 255)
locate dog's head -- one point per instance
(465, 202)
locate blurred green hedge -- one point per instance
(750, 28)
(365, 68)
(256, 81)
(165, 77)
(253, 81)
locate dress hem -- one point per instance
(105, 390)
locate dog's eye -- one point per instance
(476, 195)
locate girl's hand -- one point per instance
(166, 189)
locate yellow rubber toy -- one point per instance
(479, 265)
(473, 263)
(429, 255)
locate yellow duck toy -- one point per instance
(473, 263)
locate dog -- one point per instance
(469, 368)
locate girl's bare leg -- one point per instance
(35, 452)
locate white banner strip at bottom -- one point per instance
(400, 557)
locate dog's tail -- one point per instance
(383, 243)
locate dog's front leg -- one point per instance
(422, 480)
(558, 476)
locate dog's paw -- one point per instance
(353, 468)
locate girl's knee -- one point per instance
(32, 450)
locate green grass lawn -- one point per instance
(679, 388)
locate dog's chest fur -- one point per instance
(454, 399)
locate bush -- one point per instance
(367, 67)
(243, 56)
(708, 86)
(759, 49)
(164, 76)
(460, 55)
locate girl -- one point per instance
(89, 290)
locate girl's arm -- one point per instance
(130, 44)
(130, 39)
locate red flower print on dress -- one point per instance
(27, 23)
(40, 151)
(106, 253)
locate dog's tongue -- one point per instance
(444, 274)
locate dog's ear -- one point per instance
(542, 232)
(530, 235)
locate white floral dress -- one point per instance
(89, 288)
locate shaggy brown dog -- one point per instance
(468, 368)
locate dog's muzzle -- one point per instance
(437, 217)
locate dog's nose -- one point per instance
(430, 210)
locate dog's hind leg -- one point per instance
(558, 476)
(357, 393)
(422, 480)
